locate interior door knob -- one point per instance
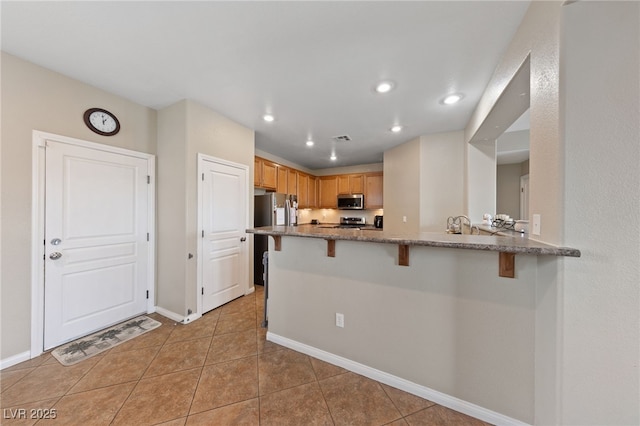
(55, 255)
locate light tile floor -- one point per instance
(218, 370)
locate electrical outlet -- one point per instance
(535, 230)
(339, 320)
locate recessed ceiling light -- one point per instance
(268, 118)
(309, 143)
(333, 157)
(396, 129)
(384, 86)
(452, 99)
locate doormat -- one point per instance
(88, 346)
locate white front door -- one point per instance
(96, 232)
(223, 254)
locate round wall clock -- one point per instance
(101, 121)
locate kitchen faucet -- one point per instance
(454, 225)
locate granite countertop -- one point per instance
(503, 244)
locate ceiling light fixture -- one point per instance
(333, 157)
(396, 129)
(452, 99)
(268, 118)
(384, 87)
(309, 143)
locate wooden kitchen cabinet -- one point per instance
(265, 174)
(373, 190)
(292, 184)
(283, 180)
(328, 192)
(317, 192)
(313, 192)
(351, 184)
(303, 190)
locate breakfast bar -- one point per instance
(428, 313)
(508, 247)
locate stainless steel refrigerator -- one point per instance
(271, 209)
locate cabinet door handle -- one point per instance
(243, 239)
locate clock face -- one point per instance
(101, 121)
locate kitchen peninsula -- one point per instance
(441, 324)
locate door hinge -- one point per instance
(202, 292)
(203, 233)
(147, 294)
(147, 236)
(203, 177)
(148, 179)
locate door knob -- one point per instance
(243, 239)
(55, 255)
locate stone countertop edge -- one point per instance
(428, 239)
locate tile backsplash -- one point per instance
(333, 215)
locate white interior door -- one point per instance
(224, 219)
(96, 232)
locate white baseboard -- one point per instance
(15, 359)
(177, 318)
(388, 379)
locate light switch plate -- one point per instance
(535, 230)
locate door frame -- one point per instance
(38, 177)
(244, 274)
(524, 196)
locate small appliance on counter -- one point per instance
(377, 222)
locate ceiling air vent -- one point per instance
(342, 138)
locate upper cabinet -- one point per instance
(328, 192)
(265, 174)
(373, 190)
(283, 180)
(351, 184)
(292, 184)
(314, 191)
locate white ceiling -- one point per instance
(312, 64)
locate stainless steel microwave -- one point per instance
(351, 201)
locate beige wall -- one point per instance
(508, 190)
(441, 179)
(538, 36)
(600, 375)
(402, 187)
(447, 322)
(186, 129)
(213, 134)
(34, 98)
(584, 101)
(172, 215)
